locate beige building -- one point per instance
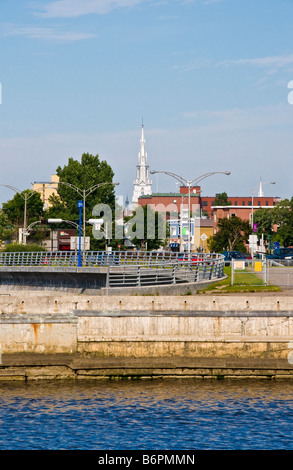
(46, 189)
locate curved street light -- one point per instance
(25, 196)
(189, 184)
(84, 193)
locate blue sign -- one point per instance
(254, 227)
(80, 204)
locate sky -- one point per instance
(209, 80)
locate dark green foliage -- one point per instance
(16, 247)
(14, 208)
(276, 223)
(151, 228)
(86, 174)
(221, 200)
(6, 229)
(232, 235)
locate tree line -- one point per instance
(272, 224)
(87, 173)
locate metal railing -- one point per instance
(129, 268)
(280, 272)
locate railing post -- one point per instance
(211, 270)
(108, 277)
(173, 274)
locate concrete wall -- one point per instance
(52, 278)
(44, 302)
(75, 336)
(186, 335)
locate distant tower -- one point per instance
(142, 183)
(260, 191)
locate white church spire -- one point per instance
(260, 191)
(142, 183)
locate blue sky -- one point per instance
(209, 78)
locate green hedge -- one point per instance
(13, 247)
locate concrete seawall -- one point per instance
(58, 335)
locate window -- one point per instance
(173, 231)
(236, 203)
(243, 203)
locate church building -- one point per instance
(142, 183)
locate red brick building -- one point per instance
(240, 206)
(204, 205)
(171, 202)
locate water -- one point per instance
(147, 414)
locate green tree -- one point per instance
(149, 228)
(264, 220)
(86, 174)
(221, 199)
(282, 216)
(232, 235)
(6, 230)
(14, 209)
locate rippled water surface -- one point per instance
(147, 414)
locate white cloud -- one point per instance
(251, 143)
(271, 61)
(74, 8)
(45, 33)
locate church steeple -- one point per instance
(142, 183)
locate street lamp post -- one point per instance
(80, 207)
(25, 197)
(84, 193)
(189, 184)
(79, 226)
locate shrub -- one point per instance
(13, 247)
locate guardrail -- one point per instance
(125, 268)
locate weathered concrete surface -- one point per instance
(44, 302)
(61, 366)
(155, 342)
(51, 336)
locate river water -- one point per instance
(147, 414)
